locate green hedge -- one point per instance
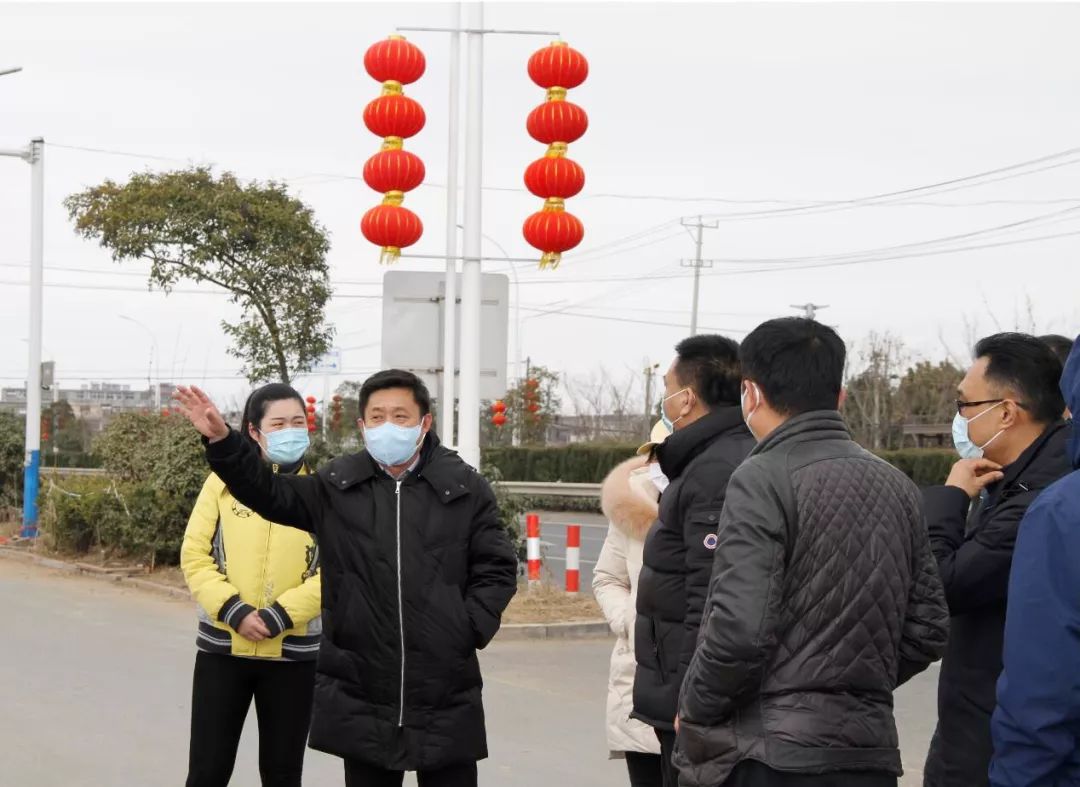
(581, 463)
(587, 463)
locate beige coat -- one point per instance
(629, 501)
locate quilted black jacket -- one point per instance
(824, 597)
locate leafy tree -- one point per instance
(927, 392)
(255, 241)
(12, 456)
(67, 434)
(530, 407)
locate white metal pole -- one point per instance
(469, 410)
(31, 476)
(449, 376)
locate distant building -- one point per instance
(95, 403)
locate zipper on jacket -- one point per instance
(401, 611)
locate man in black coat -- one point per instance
(824, 594)
(1009, 430)
(708, 441)
(417, 571)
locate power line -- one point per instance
(631, 320)
(796, 207)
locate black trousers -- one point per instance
(670, 774)
(360, 774)
(644, 769)
(221, 695)
(750, 773)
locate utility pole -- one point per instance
(697, 264)
(650, 370)
(34, 155)
(448, 396)
(471, 23)
(809, 310)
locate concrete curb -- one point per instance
(14, 553)
(513, 632)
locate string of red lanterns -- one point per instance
(554, 178)
(393, 171)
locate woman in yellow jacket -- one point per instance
(259, 599)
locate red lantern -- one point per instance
(498, 407)
(557, 121)
(533, 407)
(395, 60)
(499, 420)
(394, 170)
(558, 65)
(553, 231)
(311, 400)
(554, 176)
(395, 116)
(392, 227)
(532, 382)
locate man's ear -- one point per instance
(1010, 413)
(426, 422)
(842, 399)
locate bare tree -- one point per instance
(605, 407)
(869, 406)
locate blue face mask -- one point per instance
(962, 439)
(286, 446)
(392, 445)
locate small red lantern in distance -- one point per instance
(499, 420)
(498, 407)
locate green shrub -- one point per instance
(12, 456)
(924, 466)
(589, 463)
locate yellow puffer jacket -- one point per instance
(235, 562)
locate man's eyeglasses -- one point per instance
(960, 404)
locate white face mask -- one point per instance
(742, 403)
(656, 475)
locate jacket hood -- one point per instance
(624, 502)
(1070, 389)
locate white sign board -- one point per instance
(412, 327)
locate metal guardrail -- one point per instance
(72, 471)
(527, 488)
(554, 489)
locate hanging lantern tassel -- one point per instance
(555, 178)
(393, 171)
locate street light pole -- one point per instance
(517, 302)
(449, 376)
(469, 414)
(154, 392)
(34, 155)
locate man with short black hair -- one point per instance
(824, 594)
(1011, 438)
(416, 569)
(707, 443)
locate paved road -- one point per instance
(95, 682)
(553, 544)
